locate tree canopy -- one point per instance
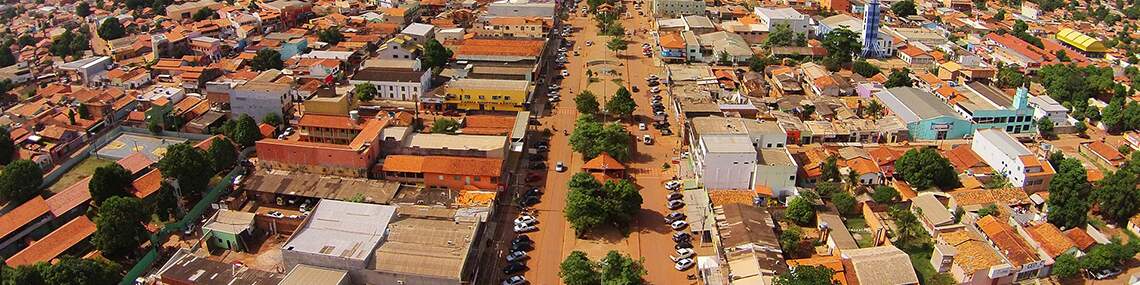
(805, 275)
(1117, 197)
(69, 43)
(68, 270)
(800, 211)
(577, 269)
(590, 204)
(188, 165)
(1066, 266)
(586, 102)
(7, 58)
(790, 239)
(899, 78)
(20, 181)
(444, 126)
(83, 9)
(204, 13)
(622, 103)
(884, 194)
(926, 168)
(781, 36)
(1068, 194)
(273, 118)
(435, 55)
(111, 29)
(844, 203)
(841, 45)
(119, 227)
(614, 269)
(7, 148)
(865, 68)
(267, 59)
(330, 35)
(617, 44)
(364, 92)
(244, 131)
(108, 181)
(591, 138)
(905, 8)
(830, 169)
(222, 154)
(910, 231)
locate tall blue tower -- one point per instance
(871, 16)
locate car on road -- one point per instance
(514, 280)
(674, 196)
(525, 219)
(683, 244)
(683, 264)
(675, 204)
(655, 89)
(634, 89)
(520, 239)
(554, 87)
(677, 225)
(651, 77)
(653, 83)
(681, 236)
(666, 132)
(522, 247)
(648, 140)
(684, 253)
(554, 99)
(641, 126)
(1103, 274)
(560, 167)
(673, 185)
(562, 49)
(565, 73)
(645, 45)
(674, 216)
(589, 43)
(514, 267)
(516, 256)
(525, 228)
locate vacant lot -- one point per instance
(78, 172)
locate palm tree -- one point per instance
(852, 178)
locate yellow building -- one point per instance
(329, 105)
(1081, 41)
(487, 94)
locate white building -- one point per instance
(739, 153)
(771, 18)
(884, 42)
(257, 99)
(339, 235)
(1045, 106)
(421, 33)
(520, 9)
(1010, 158)
(678, 8)
(395, 83)
(726, 162)
(776, 169)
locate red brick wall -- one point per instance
(320, 160)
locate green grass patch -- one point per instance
(858, 227)
(81, 170)
(920, 259)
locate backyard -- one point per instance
(81, 170)
(920, 259)
(858, 228)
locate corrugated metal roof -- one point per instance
(1081, 41)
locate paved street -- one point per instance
(650, 236)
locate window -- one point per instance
(769, 145)
(791, 178)
(477, 179)
(441, 177)
(507, 98)
(1008, 129)
(779, 145)
(457, 177)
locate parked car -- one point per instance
(673, 185)
(648, 140)
(1103, 274)
(679, 225)
(528, 201)
(560, 167)
(522, 239)
(525, 228)
(684, 253)
(522, 247)
(683, 264)
(641, 126)
(674, 216)
(683, 244)
(666, 132)
(565, 73)
(516, 256)
(525, 219)
(633, 89)
(675, 204)
(514, 280)
(681, 236)
(514, 267)
(653, 83)
(534, 191)
(654, 89)
(674, 196)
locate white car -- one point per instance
(679, 225)
(560, 167)
(526, 220)
(514, 280)
(562, 49)
(516, 256)
(655, 89)
(672, 185)
(684, 253)
(683, 264)
(565, 73)
(589, 43)
(641, 126)
(525, 228)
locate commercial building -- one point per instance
(395, 83)
(257, 99)
(1081, 42)
(1010, 158)
(352, 159)
(1047, 107)
(521, 9)
(456, 173)
(339, 235)
(926, 117)
(968, 257)
(795, 20)
(677, 8)
(988, 107)
(1024, 261)
(487, 95)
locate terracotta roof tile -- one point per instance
(1051, 239)
(603, 162)
(147, 184)
(55, 243)
(448, 165)
(1005, 238)
(75, 195)
(22, 215)
(1080, 238)
(974, 254)
(135, 162)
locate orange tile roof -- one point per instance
(1107, 152)
(1005, 238)
(448, 165)
(205, 144)
(135, 162)
(831, 262)
(500, 47)
(1052, 241)
(603, 162)
(863, 165)
(266, 130)
(973, 253)
(404, 163)
(75, 195)
(672, 41)
(975, 197)
(328, 121)
(55, 243)
(1080, 238)
(905, 191)
(147, 184)
(22, 215)
(963, 158)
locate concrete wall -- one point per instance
(256, 103)
(728, 170)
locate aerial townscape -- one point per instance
(550, 142)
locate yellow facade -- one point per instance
(339, 105)
(488, 94)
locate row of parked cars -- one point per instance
(683, 259)
(521, 244)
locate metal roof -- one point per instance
(1081, 41)
(913, 104)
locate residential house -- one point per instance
(420, 33)
(935, 216)
(878, 265)
(1104, 152)
(1024, 262)
(747, 236)
(354, 159)
(257, 99)
(795, 20)
(451, 172)
(968, 257)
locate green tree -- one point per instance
(586, 102)
(825, 189)
(444, 126)
(905, 8)
(844, 203)
(20, 181)
(620, 269)
(273, 119)
(988, 210)
(108, 181)
(591, 138)
(800, 211)
(623, 202)
(1107, 256)
(364, 92)
(884, 194)
(245, 131)
(222, 154)
(805, 275)
(119, 227)
(1062, 56)
(874, 109)
(617, 44)
(1010, 77)
(584, 210)
(926, 168)
(84, 113)
(188, 165)
(1117, 196)
(577, 269)
(204, 13)
(864, 68)
(1045, 127)
(267, 59)
(841, 45)
(780, 36)
(82, 9)
(7, 58)
(830, 169)
(435, 55)
(35, 274)
(910, 231)
(154, 126)
(7, 149)
(899, 77)
(1066, 266)
(111, 29)
(330, 35)
(757, 64)
(1081, 127)
(80, 271)
(622, 103)
(68, 43)
(1000, 15)
(790, 240)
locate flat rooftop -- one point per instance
(774, 157)
(342, 229)
(459, 142)
(325, 187)
(1003, 141)
(725, 125)
(728, 143)
(426, 246)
